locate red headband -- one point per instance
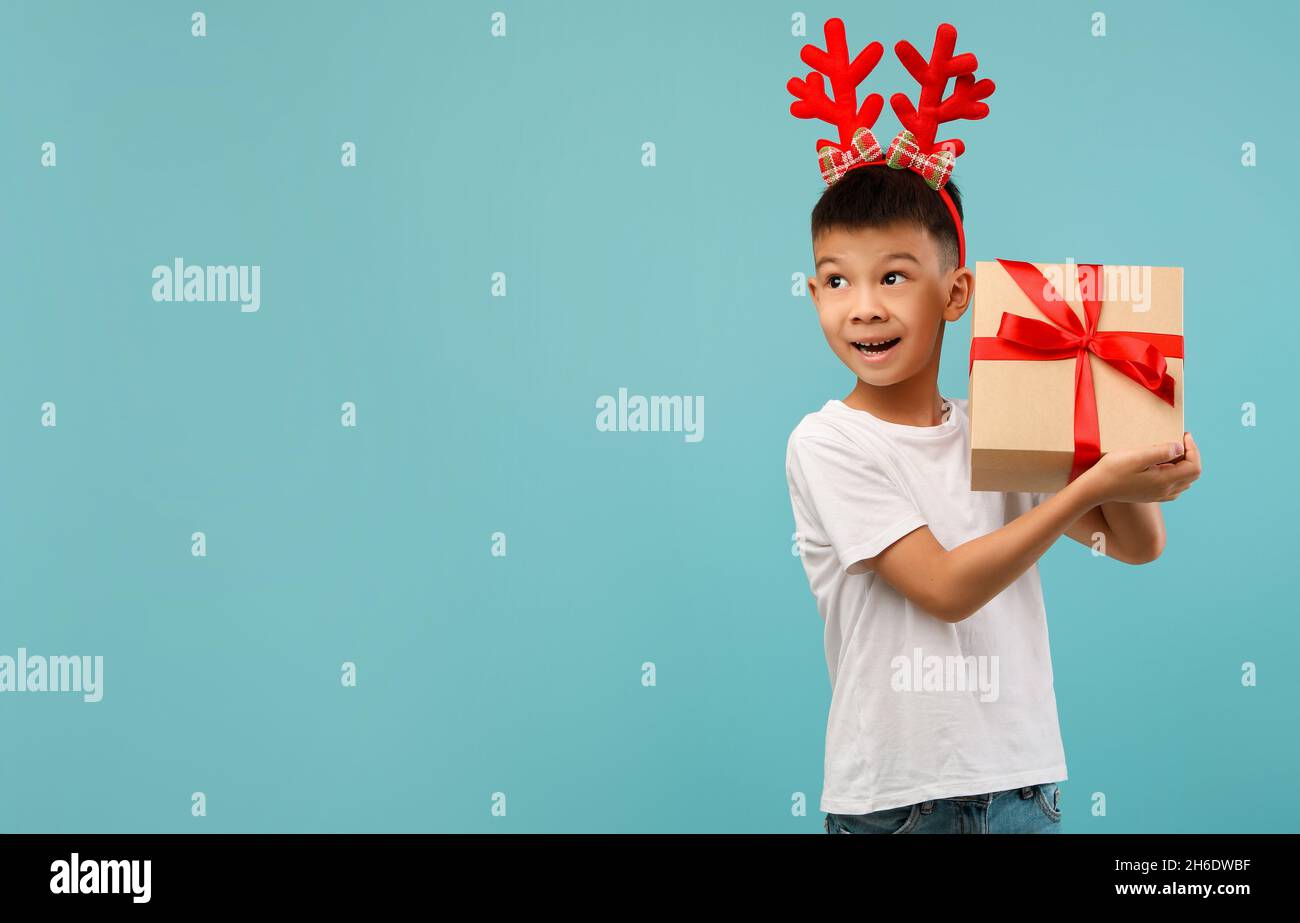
(914, 147)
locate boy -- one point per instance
(909, 566)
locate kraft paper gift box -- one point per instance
(1070, 361)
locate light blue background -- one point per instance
(522, 154)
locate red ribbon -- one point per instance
(1137, 354)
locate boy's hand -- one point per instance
(1151, 474)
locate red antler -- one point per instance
(933, 76)
(843, 112)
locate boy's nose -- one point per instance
(869, 310)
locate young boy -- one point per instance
(909, 566)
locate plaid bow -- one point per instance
(934, 168)
(903, 153)
(835, 162)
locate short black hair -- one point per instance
(875, 196)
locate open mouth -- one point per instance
(876, 350)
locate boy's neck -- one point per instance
(915, 402)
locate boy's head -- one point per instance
(885, 252)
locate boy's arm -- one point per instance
(1133, 532)
(954, 585)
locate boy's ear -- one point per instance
(811, 282)
(960, 293)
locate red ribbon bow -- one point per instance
(1137, 354)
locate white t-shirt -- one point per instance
(920, 708)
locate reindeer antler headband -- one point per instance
(914, 147)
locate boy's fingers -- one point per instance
(1193, 451)
(1159, 453)
(1188, 472)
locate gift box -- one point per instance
(1069, 361)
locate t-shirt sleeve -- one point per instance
(858, 503)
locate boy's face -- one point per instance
(886, 283)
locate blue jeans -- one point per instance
(1031, 809)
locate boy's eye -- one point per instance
(831, 278)
(892, 275)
